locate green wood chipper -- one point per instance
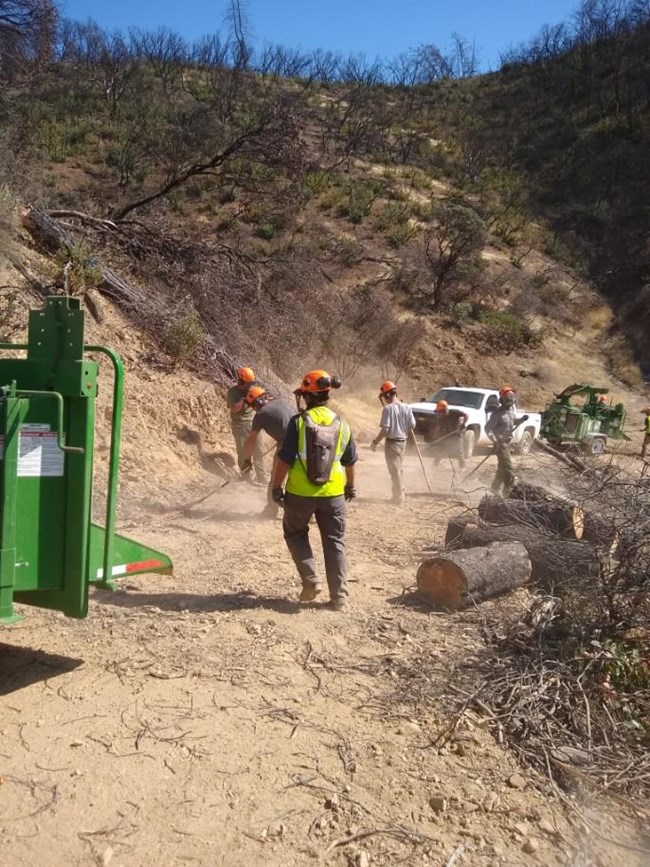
(50, 551)
(580, 414)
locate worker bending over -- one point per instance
(272, 415)
(446, 433)
(317, 459)
(395, 426)
(241, 420)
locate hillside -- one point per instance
(352, 214)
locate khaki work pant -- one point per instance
(240, 433)
(330, 518)
(505, 474)
(644, 446)
(394, 453)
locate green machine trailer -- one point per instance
(50, 551)
(580, 414)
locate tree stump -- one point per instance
(455, 578)
(563, 519)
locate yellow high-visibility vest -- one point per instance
(298, 482)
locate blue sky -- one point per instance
(381, 28)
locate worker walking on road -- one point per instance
(395, 426)
(446, 433)
(500, 428)
(272, 415)
(318, 456)
(646, 432)
(241, 420)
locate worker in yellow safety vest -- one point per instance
(317, 458)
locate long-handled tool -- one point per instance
(216, 490)
(478, 466)
(424, 472)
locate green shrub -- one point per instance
(506, 332)
(359, 202)
(79, 267)
(393, 214)
(183, 336)
(266, 230)
(400, 235)
(348, 251)
(461, 312)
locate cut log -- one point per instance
(596, 528)
(456, 578)
(533, 494)
(553, 560)
(562, 519)
(601, 532)
(455, 527)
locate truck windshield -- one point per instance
(459, 397)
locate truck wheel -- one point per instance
(469, 443)
(525, 444)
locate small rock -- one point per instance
(377, 750)
(331, 803)
(545, 826)
(107, 857)
(412, 727)
(438, 804)
(76, 743)
(521, 828)
(363, 860)
(470, 807)
(490, 801)
(530, 846)
(516, 781)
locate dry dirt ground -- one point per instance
(209, 718)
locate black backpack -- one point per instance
(320, 445)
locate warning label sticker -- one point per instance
(39, 454)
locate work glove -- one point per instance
(350, 493)
(278, 495)
(246, 465)
(524, 418)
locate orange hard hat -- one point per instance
(506, 389)
(318, 381)
(387, 387)
(245, 374)
(442, 404)
(254, 394)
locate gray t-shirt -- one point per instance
(273, 418)
(501, 423)
(398, 419)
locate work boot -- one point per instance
(340, 603)
(310, 591)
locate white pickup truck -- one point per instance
(477, 404)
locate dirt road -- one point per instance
(209, 718)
